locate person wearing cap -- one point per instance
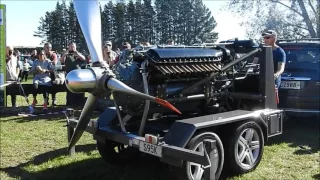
(108, 55)
(279, 56)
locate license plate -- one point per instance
(290, 85)
(150, 149)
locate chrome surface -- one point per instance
(118, 86)
(81, 80)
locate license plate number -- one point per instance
(290, 85)
(150, 149)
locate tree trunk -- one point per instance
(307, 19)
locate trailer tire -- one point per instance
(124, 155)
(185, 172)
(244, 153)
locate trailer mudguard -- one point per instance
(181, 131)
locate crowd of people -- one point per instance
(49, 69)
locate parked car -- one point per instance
(299, 92)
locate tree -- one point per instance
(293, 19)
(184, 21)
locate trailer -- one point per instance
(192, 141)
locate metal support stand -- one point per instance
(123, 128)
(70, 130)
(212, 151)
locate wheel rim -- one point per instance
(248, 148)
(196, 171)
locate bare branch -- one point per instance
(279, 2)
(310, 4)
(296, 25)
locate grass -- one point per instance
(34, 148)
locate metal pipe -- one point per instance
(187, 98)
(146, 91)
(123, 128)
(245, 96)
(224, 68)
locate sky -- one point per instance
(23, 19)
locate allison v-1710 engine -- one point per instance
(165, 72)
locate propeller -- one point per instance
(89, 80)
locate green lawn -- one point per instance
(34, 148)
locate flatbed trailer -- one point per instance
(175, 143)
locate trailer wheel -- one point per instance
(244, 147)
(116, 153)
(193, 171)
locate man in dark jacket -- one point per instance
(72, 60)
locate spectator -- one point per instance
(279, 56)
(12, 71)
(25, 70)
(17, 54)
(52, 56)
(33, 55)
(108, 55)
(41, 68)
(72, 60)
(170, 42)
(126, 45)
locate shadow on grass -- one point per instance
(55, 114)
(317, 176)
(302, 133)
(95, 168)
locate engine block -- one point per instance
(183, 63)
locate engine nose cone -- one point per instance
(81, 80)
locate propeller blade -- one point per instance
(89, 17)
(83, 120)
(118, 86)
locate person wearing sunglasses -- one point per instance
(279, 56)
